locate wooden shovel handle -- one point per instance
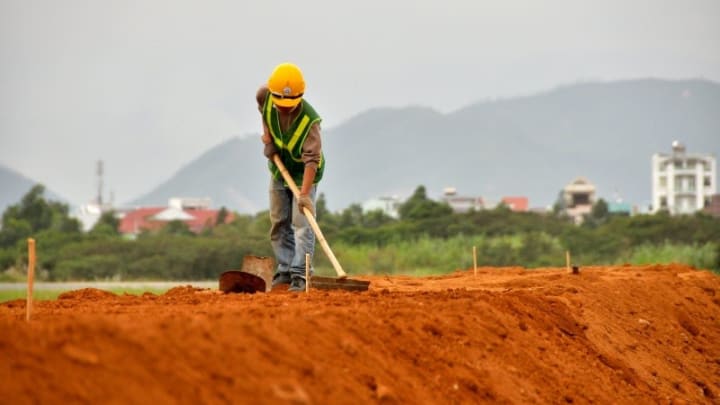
(311, 219)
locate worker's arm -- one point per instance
(304, 201)
(269, 148)
(308, 180)
(260, 97)
(311, 153)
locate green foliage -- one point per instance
(33, 208)
(376, 219)
(35, 214)
(321, 209)
(351, 216)
(600, 210)
(703, 256)
(172, 257)
(428, 238)
(106, 226)
(7, 258)
(92, 267)
(176, 227)
(435, 255)
(222, 216)
(419, 206)
(14, 230)
(598, 215)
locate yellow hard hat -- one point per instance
(286, 85)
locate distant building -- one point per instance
(540, 210)
(194, 212)
(517, 204)
(682, 183)
(462, 204)
(577, 198)
(714, 207)
(620, 208)
(88, 214)
(388, 205)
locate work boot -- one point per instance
(297, 284)
(281, 278)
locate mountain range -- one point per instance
(521, 146)
(524, 146)
(13, 186)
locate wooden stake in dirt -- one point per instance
(307, 272)
(567, 260)
(475, 259)
(30, 278)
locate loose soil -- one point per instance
(620, 335)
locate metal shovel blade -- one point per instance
(330, 283)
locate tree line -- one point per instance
(428, 237)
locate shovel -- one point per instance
(341, 282)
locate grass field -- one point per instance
(9, 295)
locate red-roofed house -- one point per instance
(204, 218)
(517, 204)
(135, 221)
(196, 217)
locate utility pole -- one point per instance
(100, 182)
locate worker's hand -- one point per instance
(269, 150)
(306, 202)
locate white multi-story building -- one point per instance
(577, 198)
(462, 204)
(683, 183)
(389, 205)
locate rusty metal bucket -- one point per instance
(255, 276)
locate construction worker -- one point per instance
(291, 130)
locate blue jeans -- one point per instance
(290, 233)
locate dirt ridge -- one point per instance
(618, 334)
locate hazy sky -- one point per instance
(148, 85)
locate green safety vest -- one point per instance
(289, 143)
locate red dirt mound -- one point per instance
(89, 294)
(182, 291)
(621, 335)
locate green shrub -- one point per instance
(699, 256)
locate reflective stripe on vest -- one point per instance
(290, 143)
